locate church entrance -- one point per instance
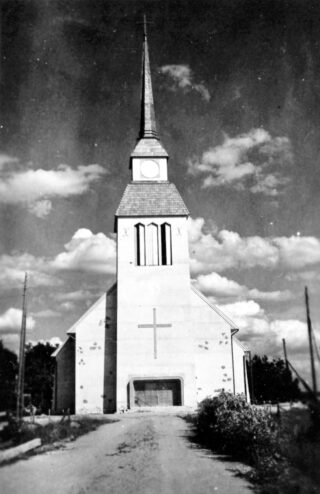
(157, 392)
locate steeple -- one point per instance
(148, 145)
(148, 121)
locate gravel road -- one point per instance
(143, 453)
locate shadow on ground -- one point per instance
(236, 465)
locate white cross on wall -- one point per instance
(154, 325)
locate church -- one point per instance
(153, 339)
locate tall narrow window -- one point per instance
(140, 244)
(152, 246)
(166, 252)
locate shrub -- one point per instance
(228, 423)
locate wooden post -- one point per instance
(20, 390)
(313, 371)
(285, 352)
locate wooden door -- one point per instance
(152, 393)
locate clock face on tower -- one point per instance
(149, 169)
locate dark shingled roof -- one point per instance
(151, 199)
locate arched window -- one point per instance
(140, 244)
(166, 250)
(152, 245)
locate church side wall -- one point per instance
(110, 381)
(90, 356)
(212, 350)
(241, 378)
(65, 377)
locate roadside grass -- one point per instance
(283, 451)
(52, 432)
(294, 468)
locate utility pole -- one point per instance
(285, 352)
(22, 351)
(313, 371)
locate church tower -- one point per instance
(153, 281)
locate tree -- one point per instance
(8, 376)
(272, 380)
(39, 375)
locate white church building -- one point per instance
(153, 339)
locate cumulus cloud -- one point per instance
(182, 78)
(243, 309)
(264, 334)
(45, 314)
(214, 284)
(87, 252)
(212, 250)
(252, 161)
(298, 251)
(219, 286)
(10, 322)
(13, 268)
(309, 276)
(35, 187)
(67, 306)
(6, 160)
(75, 296)
(41, 209)
(274, 296)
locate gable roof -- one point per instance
(224, 316)
(151, 199)
(241, 344)
(73, 329)
(60, 347)
(214, 307)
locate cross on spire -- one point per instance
(148, 126)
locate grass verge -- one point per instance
(284, 452)
(53, 434)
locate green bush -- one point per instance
(229, 424)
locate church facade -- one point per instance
(153, 339)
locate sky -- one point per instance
(237, 99)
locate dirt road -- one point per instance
(140, 454)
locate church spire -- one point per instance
(148, 121)
(149, 159)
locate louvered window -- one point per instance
(166, 252)
(140, 244)
(153, 244)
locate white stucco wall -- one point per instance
(241, 378)
(197, 346)
(142, 288)
(212, 349)
(89, 358)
